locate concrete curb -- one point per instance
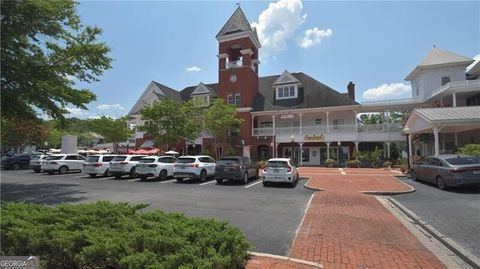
(311, 188)
(462, 253)
(411, 189)
(285, 258)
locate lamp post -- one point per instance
(338, 152)
(406, 131)
(46, 145)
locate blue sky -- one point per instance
(369, 43)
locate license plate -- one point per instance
(275, 170)
(476, 172)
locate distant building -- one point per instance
(294, 114)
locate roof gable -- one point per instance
(153, 93)
(286, 78)
(237, 23)
(201, 89)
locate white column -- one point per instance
(456, 138)
(356, 148)
(328, 149)
(356, 121)
(410, 153)
(253, 125)
(273, 124)
(328, 122)
(388, 150)
(301, 152)
(301, 125)
(454, 96)
(437, 144)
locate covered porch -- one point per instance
(451, 127)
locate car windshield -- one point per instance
(119, 158)
(147, 160)
(463, 160)
(186, 160)
(92, 159)
(277, 164)
(54, 157)
(228, 161)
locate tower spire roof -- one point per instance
(237, 23)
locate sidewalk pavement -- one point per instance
(345, 228)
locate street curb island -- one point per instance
(411, 189)
(285, 258)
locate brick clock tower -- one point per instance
(238, 71)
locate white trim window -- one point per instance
(337, 124)
(201, 100)
(230, 99)
(237, 100)
(286, 92)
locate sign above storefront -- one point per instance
(314, 138)
(286, 116)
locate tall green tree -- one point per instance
(44, 47)
(17, 133)
(220, 119)
(169, 122)
(113, 130)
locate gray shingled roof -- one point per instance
(187, 92)
(169, 92)
(438, 56)
(311, 94)
(467, 113)
(239, 20)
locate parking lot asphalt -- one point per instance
(269, 216)
(455, 213)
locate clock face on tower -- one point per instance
(233, 78)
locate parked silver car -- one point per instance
(194, 167)
(448, 170)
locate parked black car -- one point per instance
(16, 162)
(236, 168)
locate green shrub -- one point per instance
(387, 164)
(230, 151)
(470, 149)
(205, 151)
(353, 163)
(376, 156)
(330, 163)
(109, 235)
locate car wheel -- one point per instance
(245, 178)
(63, 170)
(219, 180)
(37, 170)
(118, 176)
(265, 184)
(441, 183)
(51, 172)
(413, 175)
(132, 173)
(143, 178)
(16, 166)
(163, 175)
(179, 179)
(92, 175)
(107, 173)
(203, 176)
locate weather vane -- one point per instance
(238, 4)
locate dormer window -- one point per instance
(201, 100)
(286, 92)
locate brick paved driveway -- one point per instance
(345, 228)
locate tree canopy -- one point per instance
(44, 48)
(113, 130)
(169, 122)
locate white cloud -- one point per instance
(314, 36)
(106, 106)
(476, 59)
(76, 111)
(193, 68)
(387, 91)
(277, 24)
(94, 117)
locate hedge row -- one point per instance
(118, 235)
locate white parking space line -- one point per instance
(208, 182)
(253, 184)
(82, 176)
(133, 179)
(168, 181)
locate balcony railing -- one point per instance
(392, 102)
(315, 130)
(463, 84)
(234, 64)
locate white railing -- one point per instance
(234, 64)
(392, 102)
(465, 84)
(323, 129)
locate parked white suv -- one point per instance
(63, 163)
(97, 165)
(194, 167)
(125, 165)
(159, 167)
(280, 170)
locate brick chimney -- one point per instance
(351, 90)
